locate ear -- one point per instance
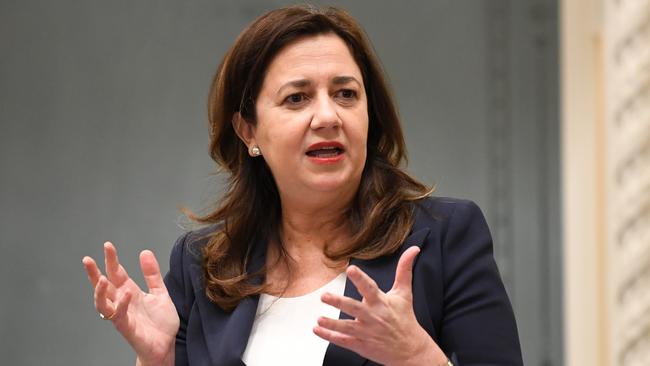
(244, 129)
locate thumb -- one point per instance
(404, 271)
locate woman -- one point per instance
(323, 251)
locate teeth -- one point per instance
(325, 152)
(326, 148)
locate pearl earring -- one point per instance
(255, 151)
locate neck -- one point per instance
(306, 228)
(310, 226)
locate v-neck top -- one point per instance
(282, 331)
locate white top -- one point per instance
(282, 332)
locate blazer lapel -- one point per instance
(226, 333)
(382, 270)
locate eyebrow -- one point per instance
(295, 83)
(340, 80)
(301, 83)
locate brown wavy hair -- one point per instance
(381, 214)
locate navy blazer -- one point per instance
(458, 295)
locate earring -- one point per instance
(255, 151)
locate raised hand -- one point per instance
(384, 329)
(147, 320)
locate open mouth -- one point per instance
(325, 152)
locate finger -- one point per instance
(151, 272)
(94, 274)
(366, 286)
(339, 339)
(404, 271)
(121, 308)
(114, 270)
(92, 270)
(347, 305)
(103, 304)
(345, 326)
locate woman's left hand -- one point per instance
(384, 328)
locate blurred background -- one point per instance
(538, 110)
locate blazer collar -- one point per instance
(226, 334)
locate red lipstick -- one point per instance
(325, 152)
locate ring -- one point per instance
(107, 317)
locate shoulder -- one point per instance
(441, 212)
(444, 205)
(185, 266)
(188, 248)
(457, 233)
(448, 230)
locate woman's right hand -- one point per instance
(147, 320)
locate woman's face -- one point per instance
(312, 118)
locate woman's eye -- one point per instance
(347, 94)
(295, 98)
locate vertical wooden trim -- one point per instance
(579, 25)
(601, 201)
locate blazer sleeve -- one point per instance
(478, 325)
(180, 290)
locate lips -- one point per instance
(325, 150)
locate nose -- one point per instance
(325, 113)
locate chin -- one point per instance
(333, 183)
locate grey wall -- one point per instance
(103, 136)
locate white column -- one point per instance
(627, 53)
(606, 182)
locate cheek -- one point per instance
(281, 142)
(358, 135)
